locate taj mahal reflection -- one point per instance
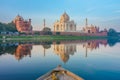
(64, 51)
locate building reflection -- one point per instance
(63, 48)
(64, 51)
(45, 47)
(93, 44)
(22, 51)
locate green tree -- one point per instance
(112, 32)
(47, 31)
(7, 27)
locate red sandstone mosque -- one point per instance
(22, 25)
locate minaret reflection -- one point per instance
(23, 50)
(64, 51)
(45, 47)
(93, 44)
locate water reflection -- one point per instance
(93, 44)
(46, 46)
(113, 41)
(8, 48)
(23, 50)
(63, 48)
(90, 59)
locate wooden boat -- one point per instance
(60, 73)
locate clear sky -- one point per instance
(103, 13)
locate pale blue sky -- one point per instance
(104, 13)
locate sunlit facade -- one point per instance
(65, 25)
(22, 25)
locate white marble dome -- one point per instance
(64, 17)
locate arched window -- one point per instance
(75, 28)
(67, 27)
(61, 25)
(88, 31)
(71, 48)
(57, 27)
(71, 27)
(57, 48)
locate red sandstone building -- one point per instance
(22, 25)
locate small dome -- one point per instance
(64, 17)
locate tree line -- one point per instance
(7, 27)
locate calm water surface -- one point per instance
(90, 59)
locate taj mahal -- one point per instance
(65, 25)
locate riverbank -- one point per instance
(49, 38)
